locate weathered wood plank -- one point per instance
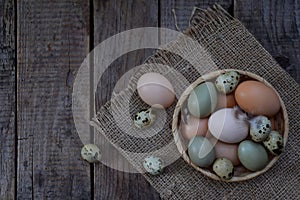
(112, 17)
(183, 11)
(276, 25)
(7, 99)
(53, 39)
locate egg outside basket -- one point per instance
(241, 174)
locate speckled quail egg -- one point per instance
(260, 127)
(227, 82)
(91, 153)
(274, 143)
(153, 165)
(223, 168)
(143, 118)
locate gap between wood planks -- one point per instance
(16, 97)
(92, 99)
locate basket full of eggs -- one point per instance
(230, 125)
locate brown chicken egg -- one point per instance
(194, 126)
(256, 98)
(225, 101)
(225, 150)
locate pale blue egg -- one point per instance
(203, 100)
(252, 155)
(201, 151)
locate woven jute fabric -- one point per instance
(227, 44)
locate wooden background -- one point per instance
(42, 46)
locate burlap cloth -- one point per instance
(229, 45)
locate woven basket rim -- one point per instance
(184, 96)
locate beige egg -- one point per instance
(155, 90)
(194, 126)
(225, 150)
(225, 101)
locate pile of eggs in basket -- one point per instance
(227, 121)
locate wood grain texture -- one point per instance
(183, 11)
(53, 39)
(276, 25)
(112, 17)
(7, 99)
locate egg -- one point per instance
(252, 155)
(155, 90)
(225, 150)
(91, 153)
(227, 82)
(273, 123)
(274, 143)
(202, 100)
(223, 168)
(201, 151)
(260, 127)
(225, 101)
(153, 165)
(144, 118)
(194, 126)
(256, 98)
(227, 127)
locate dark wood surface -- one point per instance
(110, 18)
(7, 99)
(276, 25)
(53, 39)
(42, 46)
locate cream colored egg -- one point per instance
(227, 127)
(155, 90)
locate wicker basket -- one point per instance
(241, 174)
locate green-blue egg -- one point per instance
(201, 151)
(202, 100)
(252, 155)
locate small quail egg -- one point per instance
(153, 165)
(260, 127)
(274, 143)
(223, 168)
(227, 82)
(144, 118)
(91, 153)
